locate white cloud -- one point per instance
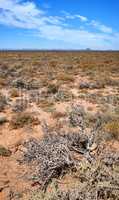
(82, 18)
(70, 16)
(27, 15)
(101, 27)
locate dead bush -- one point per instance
(53, 154)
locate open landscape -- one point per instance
(59, 125)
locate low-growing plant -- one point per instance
(3, 102)
(2, 82)
(64, 95)
(20, 105)
(44, 104)
(65, 78)
(57, 115)
(14, 92)
(112, 128)
(52, 88)
(23, 119)
(76, 116)
(3, 120)
(4, 151)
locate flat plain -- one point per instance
(59, 125)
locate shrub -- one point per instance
(45, 104)
(4, 152)
(23, 119)
(53, 154)
(3, 102)
(53, 63)
(52, 88)
(14, 93)
(19, 83)
(112, 128)
(2, 120)
(2, 82)
(20, 105)
(65, 78)
(64, 95)
(76, 116)
(56, 115)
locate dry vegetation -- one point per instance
(59, 125)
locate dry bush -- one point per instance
(64, 95)
(44, 104)
(57, 115)
(23, 119)
(76, 116)
(67, 78)
(53, 63)
(95, 180)
(4, 151)
(29, 83)
(112, 128)
(109, 126)
(20, 105)
(14, 92)
(53, 154)
(52, 88)
(95, 85)
(2, 82)
(3, 120)
(3, 102)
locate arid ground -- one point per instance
(59, 125)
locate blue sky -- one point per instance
(59, 24)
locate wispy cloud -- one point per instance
(27, 15)
(67, 15)
(101, 27)
(82, 18)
